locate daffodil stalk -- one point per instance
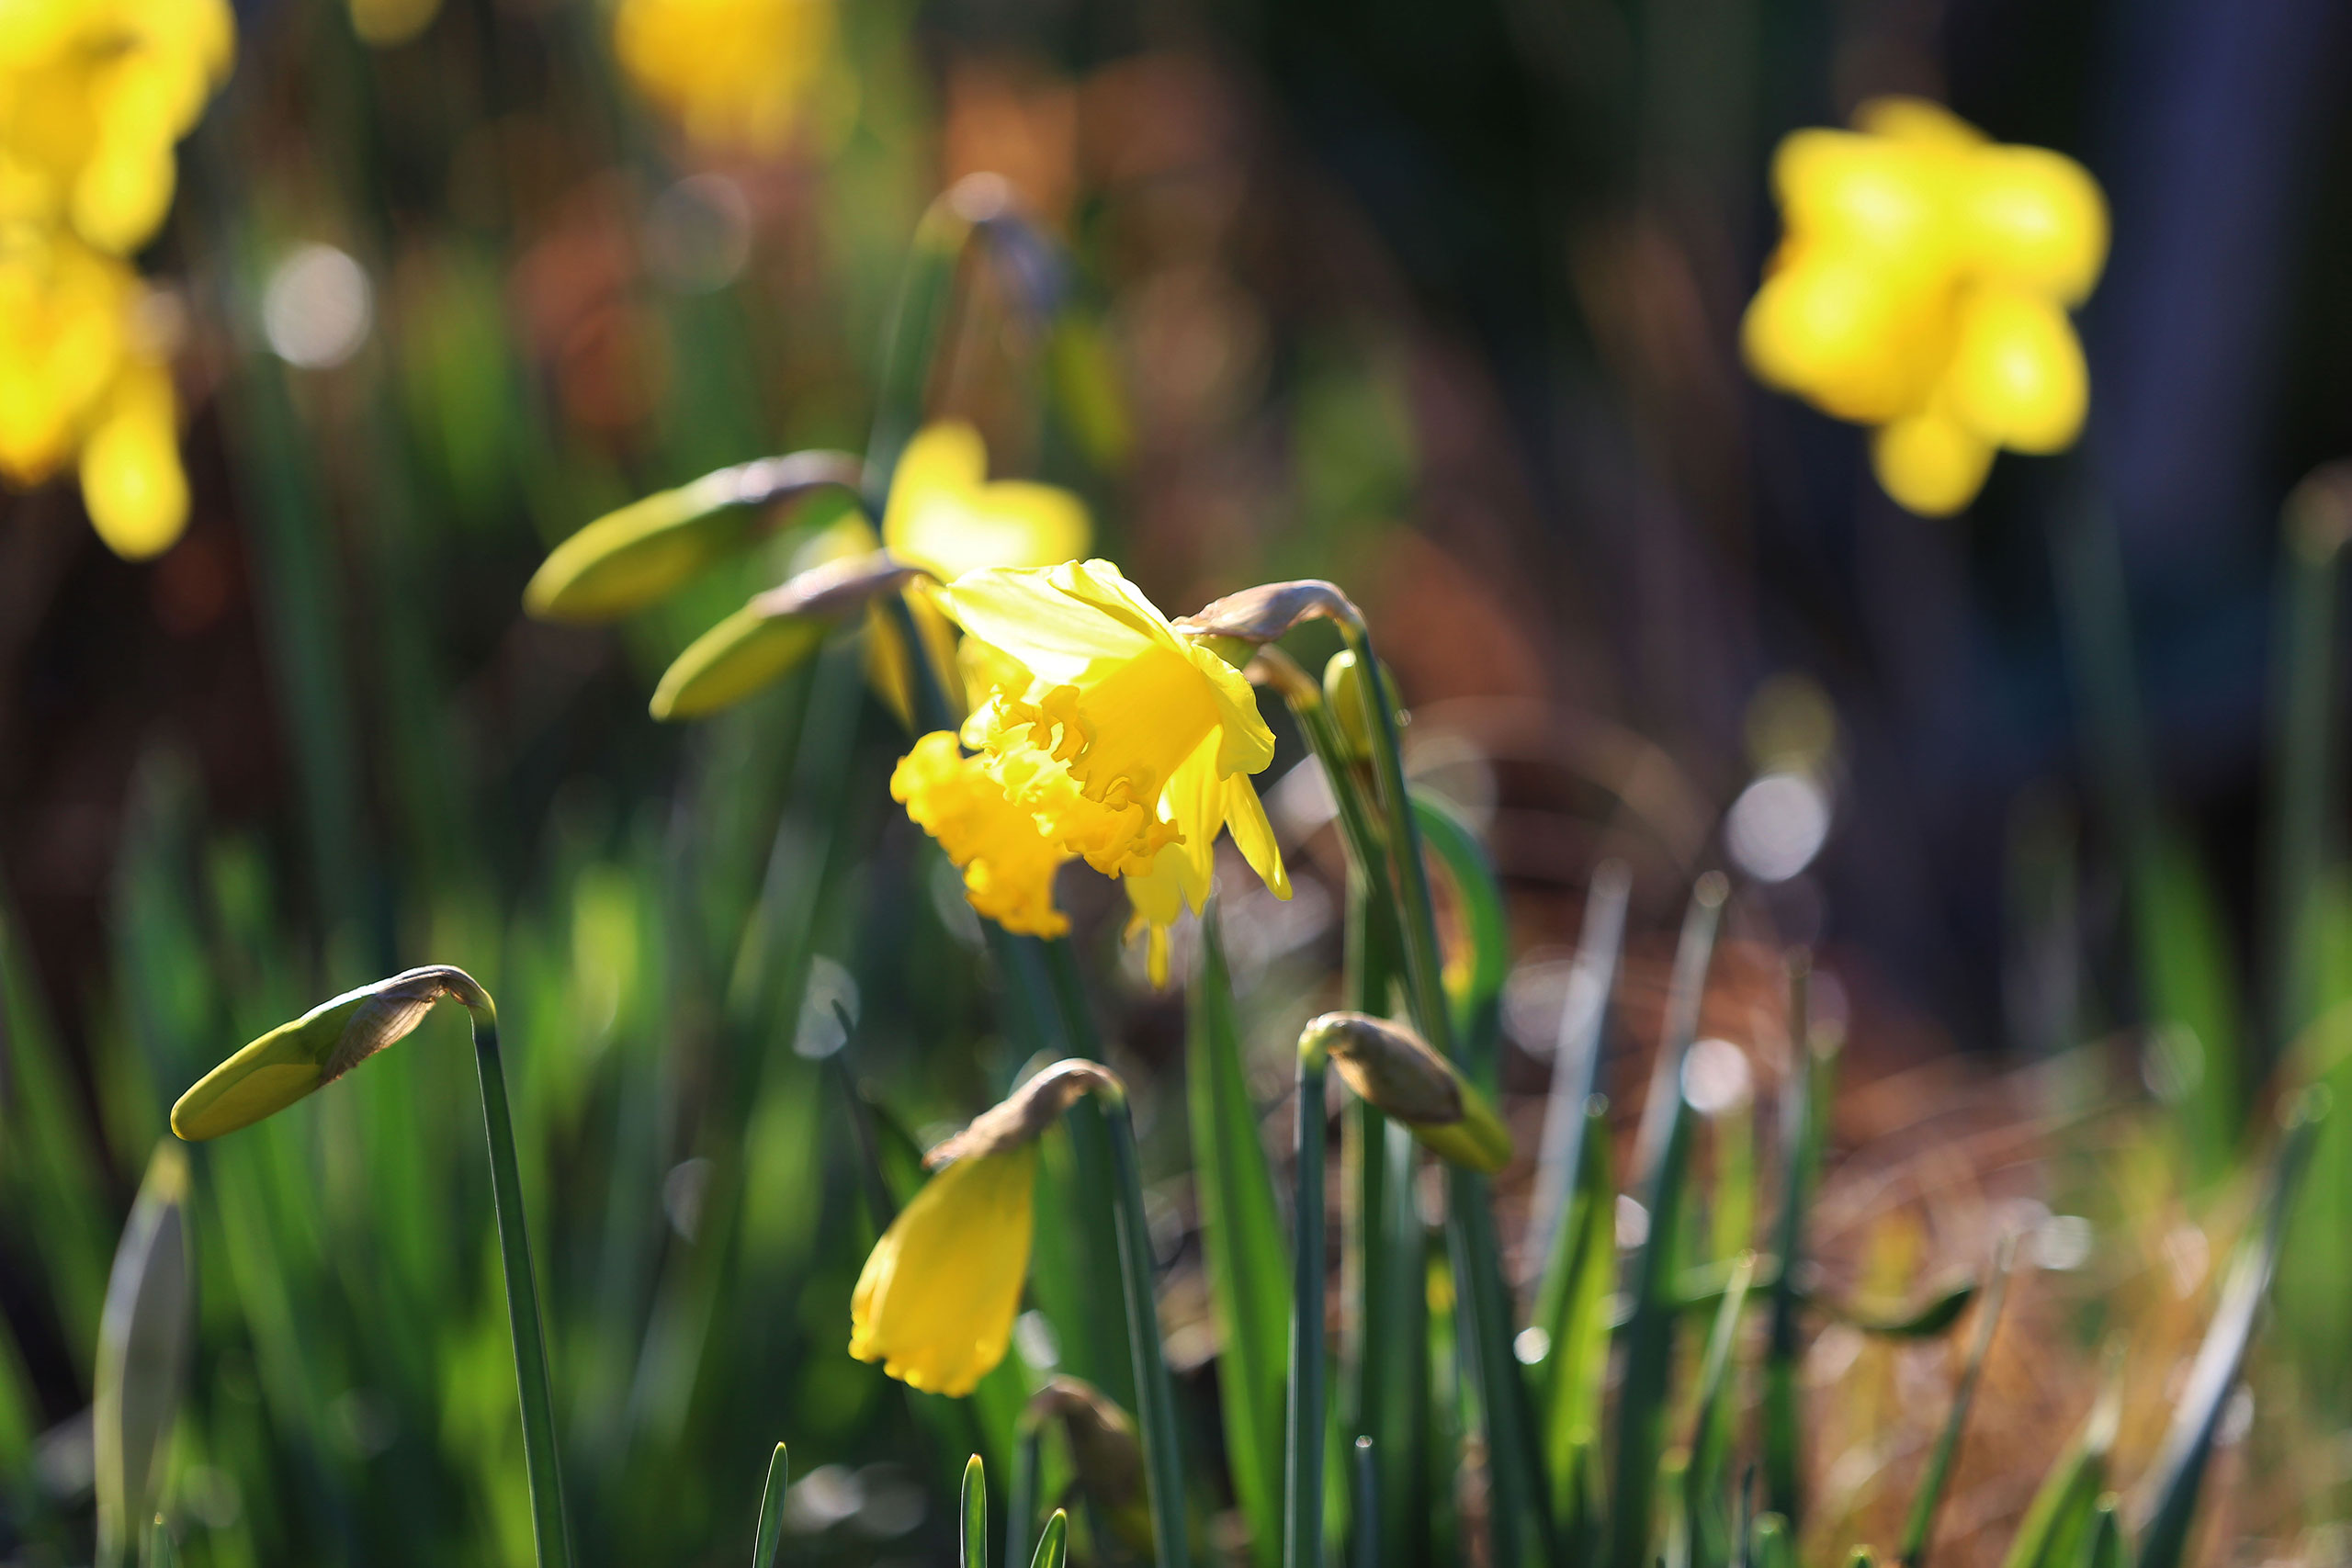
(296, 1059)
(1387, 1067)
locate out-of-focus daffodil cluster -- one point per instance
(1923, 288)
(94, 97)
(736, 74)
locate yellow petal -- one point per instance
(936, 1300)
(1008, 864)
(1245, 817)
(132, 480)
(1057, 622)
(2018, 376)
(2036, 219)
(1931, 463)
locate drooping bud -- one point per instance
(627, 559)
(1393, 1069)
(1104, 1450)
(774, 635)
(296, 1059)
(1025, 1114)
(1271, 609)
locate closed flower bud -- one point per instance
(774, 635)
(627, 559)
(1393, 1070)
(1344, 692)
(295, 1059)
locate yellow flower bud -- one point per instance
(296, 1059)
(132, 480)
(1391, 1068)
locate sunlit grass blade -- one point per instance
(1242, 1240)
(972, 1543)
(1365, 1484)
(1805, 1100)
(1661, 1161)
(2106, 1547)
(1573, 1314)
(142, 1355)
(1768, 1543)
(1919, 1529)
(1021, 1501)
(2051, 1534)
(1052, 1547)
(2168, 1495)
(767, 1542)
(1575, 1059)
(1712, 1539)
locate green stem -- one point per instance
(1423, 965)
(1155, 1396)
(1801, 1121)
(1303, 1466)
(548, 1531)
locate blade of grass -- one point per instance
(1241, 1241)
(2170, 1494)
(1805, 1101)
(1302, 1451)
(1155, 1407)
(1712, 1540)
(1919, 1529)
(142, 1355)
(1573, 1313)
(1052, 1547)
(1575, 1059)
(972, 1542)
(1662, 1158)
(2053, 1532)
(2107, 1546)
(1768, 1543)
(768, 1542)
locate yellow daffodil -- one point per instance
(1008, 864)
(78, 383)
(947, 518)
(1922, 287)
(1130, 745)
(935, 1302)
(736, 74)
(94, 96)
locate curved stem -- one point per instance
(1423, 965)
(548, 1531)
(1155, 1395)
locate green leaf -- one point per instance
(1711, 1539)
(2054, 1531)
(142, 1355)
(973, 1542)
(768, 1541)
(1573, 1313)
(1476, 996)
(1921, 1525)
(2170, 1490)
(2107, 1546)
(1052, 1547)
(1662, 1158)
(1576, 1065)
(1804, 1114)
(1768, 1543)
(1241, 1235)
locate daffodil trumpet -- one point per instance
(296, 1059)
(936, 1299)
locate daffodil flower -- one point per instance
(1008, 864)
(936, 1299)
(945, 515)
(1922, 287)
(736, 74)
(1132, 744)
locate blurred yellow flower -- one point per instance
(734, 74)
(78, 383)
(935, 1302)
(94, 96)
(943, 514)
(1130, 745)
(1922, 287)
